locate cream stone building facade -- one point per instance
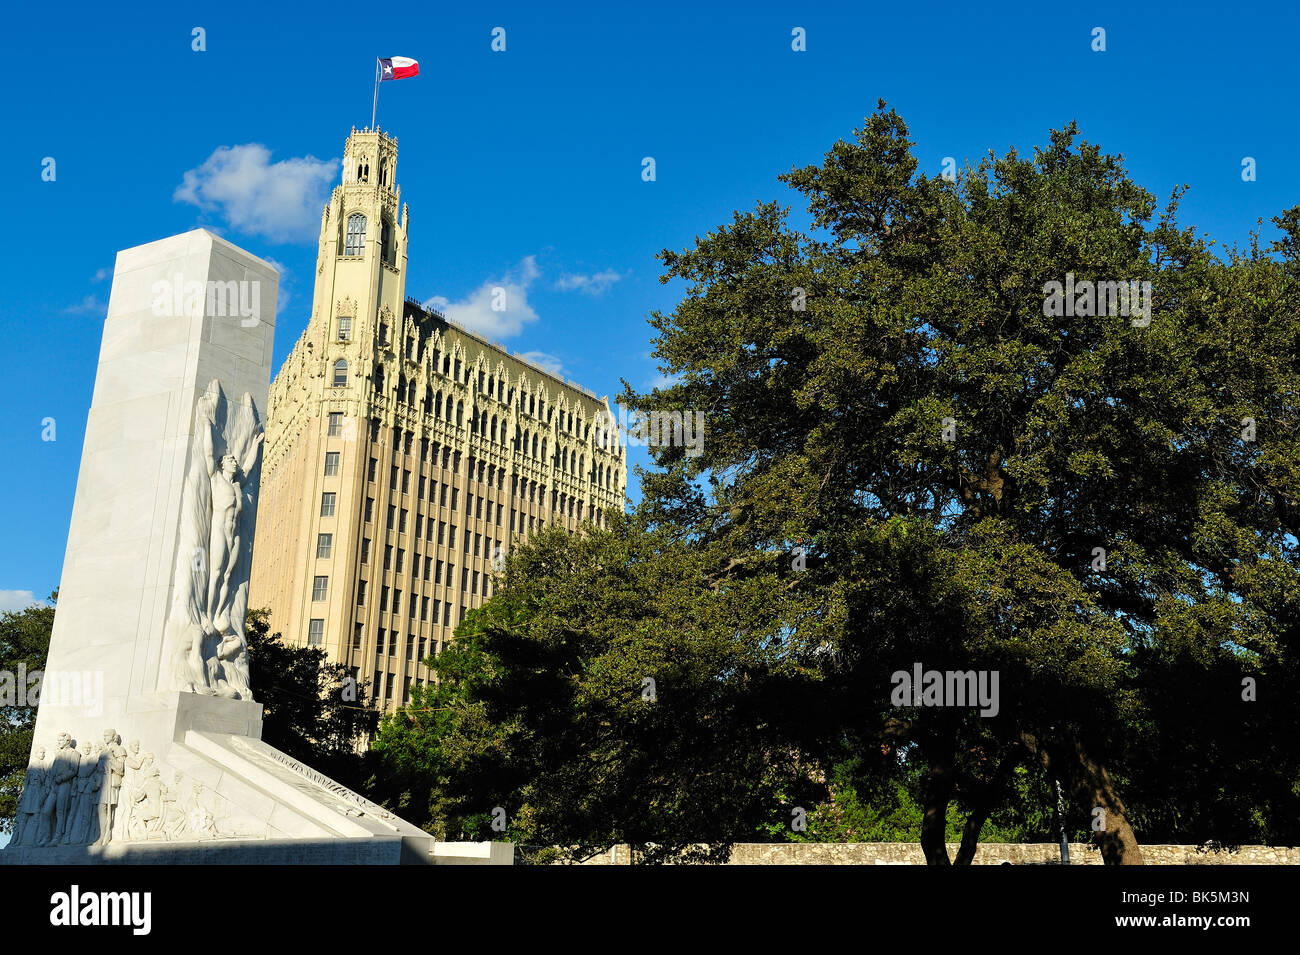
(405, 454)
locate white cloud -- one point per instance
(87, 306)
(281, 201)
(509, 293)
(102, 274)
(543, 360)
(18, 600)
(594, 284)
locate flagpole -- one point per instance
(375, 105)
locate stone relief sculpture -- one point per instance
(112, 766)
(27, 819)
(58, 798)
(132, 764)
(83, 820)
(104, 794)
(206, 651)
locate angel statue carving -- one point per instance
(206, 649)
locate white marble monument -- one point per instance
(148, 736)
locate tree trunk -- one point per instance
(1090, 784)
(1118, 842)
(936, 795)
(982, 804)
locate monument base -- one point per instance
(199, 786)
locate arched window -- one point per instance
(543, 449)
(379, 380)
(386, 241)
(534, 445)
(356, 240)
(460, 413)
(410, 393)
(494, 427)
(340, 373)
(437, 405)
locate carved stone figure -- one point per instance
(173, 813)
(206, 648)
(62, 773)
(27, 819)
(131, 780)
(112, 765)
(146, 819)
(200, 819)
(83, 821)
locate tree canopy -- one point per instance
(917, 453)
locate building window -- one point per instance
(424, 610)
(316, 632)
(340, 373)
(318, 588)
(474, 586)
(370, 509)
(374, 463)
(336, 424)
(392, 515)
(361, 593)
(357, 638)
(392, 477)
(401, 556)
(345, 328)
(401, 522)
(428, 567)
(388, 687)
(365, 550)
(324, 544)
(386, 241)
(451, 536)
(437, 573)
(327, 504)
(388, 557)
(406, 482)
(435, 612)
(379, 644)
(331, 463)
(356, 238)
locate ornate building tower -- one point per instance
(403, 453)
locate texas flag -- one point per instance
(397, 68)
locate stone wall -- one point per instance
(990, 853)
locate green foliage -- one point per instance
(541, 705)
(24, 644)
(306, 713)
(952, 452)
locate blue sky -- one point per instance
(524, 167)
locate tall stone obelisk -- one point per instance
(148, 738)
